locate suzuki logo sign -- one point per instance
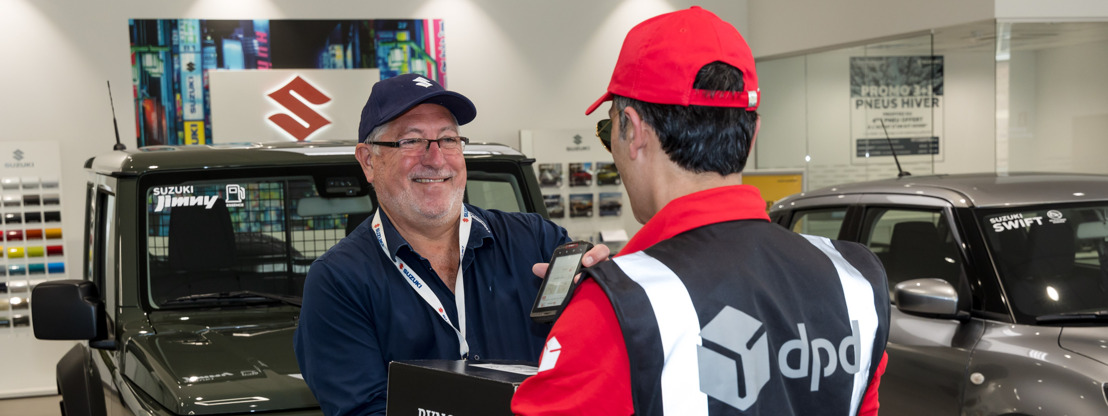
(288, 105)
(307, 120)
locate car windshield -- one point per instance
(214, 240)
(1052, 259)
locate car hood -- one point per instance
(216, 363)
(1089, 341)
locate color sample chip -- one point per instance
(52, 216)
(51, 199)
(30, 217)
(33, 234)
(54, 250)
(53, 232)
(55, 268)
(36, 268)
(15, 252)
(32, 199)
(17, 270)
(13, 235)
(13, 218)
(12, 200)
(9, 183)
(36, 251)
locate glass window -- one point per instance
(912, 244)
(260, 235)
(821, 222)
(494, 191)
(1052, 259)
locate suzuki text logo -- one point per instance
(743, 337)
(312, 120)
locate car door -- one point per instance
(915, 238)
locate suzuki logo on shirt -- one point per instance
(742, 335)
(307, 120)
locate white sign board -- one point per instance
(292, 105)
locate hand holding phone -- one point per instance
(559, 283)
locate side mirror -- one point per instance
(68, 310)
(933, 298)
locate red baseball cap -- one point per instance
(662, 55)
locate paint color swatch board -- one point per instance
(32, 250)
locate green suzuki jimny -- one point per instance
(195, 259)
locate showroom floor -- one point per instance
(31, 406)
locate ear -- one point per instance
(636, 137)
(364, 154)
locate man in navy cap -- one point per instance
(428, 276)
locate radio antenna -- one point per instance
(118, 144)
(900, 172)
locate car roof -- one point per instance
(249, 154)
(980, 189)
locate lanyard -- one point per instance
(420, 286)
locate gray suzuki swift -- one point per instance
(1000, 286)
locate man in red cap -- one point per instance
(710, 309)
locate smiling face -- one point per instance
(426, 187)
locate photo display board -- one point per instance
(581, 185)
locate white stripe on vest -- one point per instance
(859, 304)
(679, 328)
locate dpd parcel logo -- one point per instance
(745, 345)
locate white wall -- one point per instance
(1056, 124)
(787, 26)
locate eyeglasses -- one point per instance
(418, 146)
(604, 133)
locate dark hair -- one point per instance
(698, 138)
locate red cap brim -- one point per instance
(606, 97)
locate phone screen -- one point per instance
(560, 279)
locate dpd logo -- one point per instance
(719, 377)
(743, 336)
(298, 108)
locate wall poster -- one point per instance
(171, 60)
(905, 93)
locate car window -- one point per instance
(230, 235)
(490, 190)
(819, 222)
(912, 244)
(1052, 259)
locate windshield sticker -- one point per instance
(235, 195)
(164, 201)
(1015, 221)
(1055, 217)
(172, 190)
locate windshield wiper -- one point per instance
(1074, 317)
(238, 295)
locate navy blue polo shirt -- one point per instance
(359, 313)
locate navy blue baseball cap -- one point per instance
(394, 96)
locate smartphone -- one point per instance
(558, 283)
